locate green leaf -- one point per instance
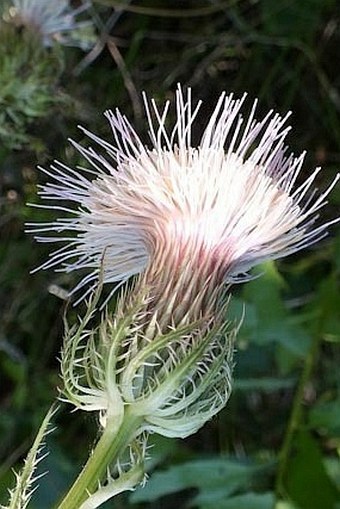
(210, 476)
(271, 320)
(265, 293)
(284, 504)
(328, 304)
(267, 384)
(307, 482)
(326, 415)
(332, 466)
(246, 501)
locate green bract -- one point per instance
(174, 380)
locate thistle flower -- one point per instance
(54, 21)
(186, 214)
(188, 221)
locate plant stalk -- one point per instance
(107, 451)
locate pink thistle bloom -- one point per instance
(187, 215)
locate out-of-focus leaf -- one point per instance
(328, 303)
(271, 320)
(246, 501)
(307, 482)
(283, 504)
(263, 384)
(212, 477)
(332, 466)
(264, 293)
(327, 416)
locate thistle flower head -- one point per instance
(52, 20)
(171, 377)
(188, 219)
(205, 212)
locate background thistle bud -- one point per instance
(52, 22)
(28, 84)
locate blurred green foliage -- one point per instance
(28, 84)
(277, 443)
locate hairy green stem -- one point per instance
(107, 451)
(296, 415)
